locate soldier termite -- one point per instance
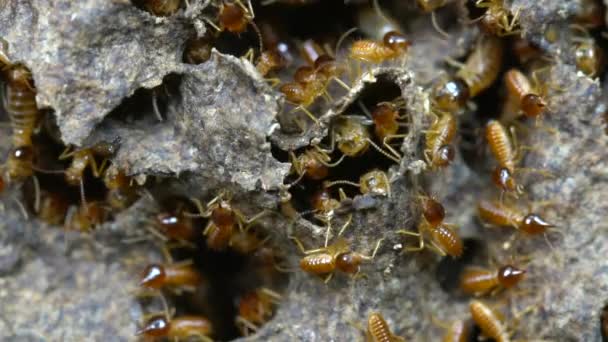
(379, 331)
(255, 308)
(335, 257)
(503, 215)
(180, 276)
(480, 281)
(177, 328)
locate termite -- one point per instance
(234, 17)
(444, 240)
(393, 45)
(223, 219)
(335, 257)
(255, 308)
(387, 122)
(313, 164)
(245, 242)
(438, 151)
(268, 61)
(457, 331)
(496, 18)
(374, 182)
(503, 215)
(483, 65)
(176, 276)
(53, 208)
(528, 97)
(198, 50)
(85, 217)
(177, 328)
(379, 331)
(352, 137)
(174, 226)
(589, 57)
(162, 8)
(480, 281)
(489, 321)
(121, 193)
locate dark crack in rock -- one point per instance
(86, 56)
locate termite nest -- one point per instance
(426, 188)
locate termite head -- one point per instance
(533, 105)
(450, 95)
(233, 18)
(503, 178)
(323, 202)
(509, 275)
(433, 211)
(327, 65)
(153, 276)
(375, 182)
(157, 326)
(444, 156)
(396, 41)
(223, 216)
(534, 224)
(348, 262)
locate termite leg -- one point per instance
(420, 241)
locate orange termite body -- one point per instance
(447, 239)
(86, 217)
(479, 281)
(175, 226)
(393, 45)
(483, 65)
(177, 328)
(268, 61)
(157, 276)
(458, 331)
(53, 208)
(432, 210)
(489, 321)
(162, 8)
(438, 150)
(501, 146)
(520, 88)
(221, 226)
(385, 119)
(233, 18)
(309, 164)
(379, 331)
(505, 216)
(255, 308)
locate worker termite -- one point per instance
(393, 45)
(496, 18)
(180, 276)
(234, 17)
(352, 137)
(53, 208)
(246, 242)
(121, 193)
(373, 182)
(255, 308)
(379, 331)
(337, 256)
(223, 219)
(162, 8)
(438, 151)
(313, 164)
(529, 97)
(482, 66)
(198, 50)
(444, 240)
(85, 217)
(177, 328)
(480, 281)
(308, 87)
(489, 321)
(503, 215)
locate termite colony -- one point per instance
(493, 97)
